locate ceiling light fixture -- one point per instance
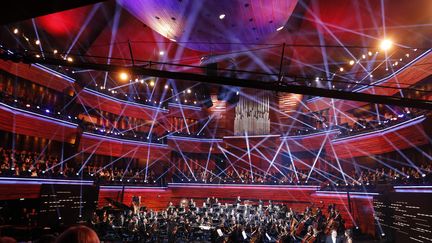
(386, 45)
(123, 76)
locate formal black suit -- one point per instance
(330, 240)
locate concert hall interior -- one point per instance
(216, 121)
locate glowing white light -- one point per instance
(222, 16)
(188, 91)
(280, 28)
(161, 53)
(370, 53)
(341, 69)
(351, 62)
(386, 44)
(37, 42)
(15, 31)
(123, 76)
(55, 51)
(69, 59)
(166, 86)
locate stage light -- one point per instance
(37, 56)
(188, 91)
(37, 42)
(15, 31)
(351, 62)
(161, 53)
(69, 59)
(152, 83)
(222, 16)
(280, 28)
(407, 55)
(364, 56)
(386, 44)
(123, 76)
(166, 86)
(370, 53)
(47, 111)
(27, 105)
(341, 69)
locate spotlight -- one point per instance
(69, 59)
(15, 31)
(386, 44)
(152, 83)
(37, 42)
(37, 56)
(370, 53)
(423, 175)
(123, 76)
(341, 69)
(222, 16)
(166, 86)
(47, 111)
(161, 53)
(364, 56)
(280, 28)
(188, 91)
(55, 51)
(351, 62)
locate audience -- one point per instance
(33, 164)
(78, 234)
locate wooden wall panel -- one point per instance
(402, 138)
(35, 75)
(16, 191)
(404, 79)
(18, 122)
(116, 148)
(100, 102)
(194, 146)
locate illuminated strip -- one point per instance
(40, 116)
(158, 188)
(413, 191)
(38, 181)
(253, 136)
(124, 140)
(383, 79)
(190, 107)
(343, 195)
(309, 135)
(53, 72)
(125, 101)
(227, 186)
(204, 140)
(414, 187)
(393, 128)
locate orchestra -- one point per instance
(240, 221)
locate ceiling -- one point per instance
(321, 36)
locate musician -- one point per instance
(333, 238)
(348, 236)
